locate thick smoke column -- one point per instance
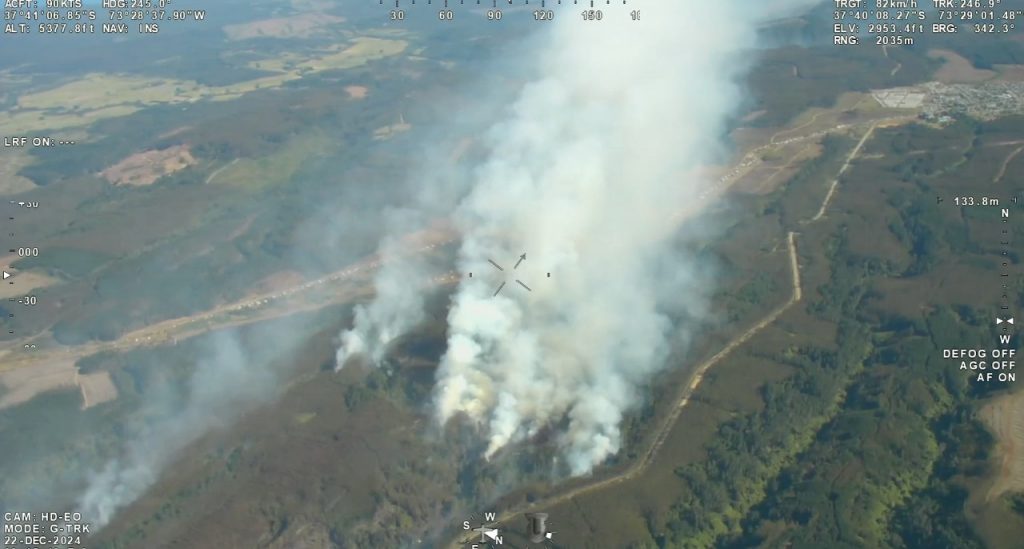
(587, 172)
(380, 322)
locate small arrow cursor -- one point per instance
(521, 258)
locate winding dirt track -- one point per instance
(1006, 162)
(846, 165)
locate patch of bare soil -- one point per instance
(24, 281)
(356, 92)
(146, 167)
(957, 68)
(1005, 417)
(97, 388)
(1011, 73)
(23, 384)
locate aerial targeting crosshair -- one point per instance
(505, 281)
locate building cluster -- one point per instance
(942, 103)
(984, 101)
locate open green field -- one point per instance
(256, 174)
(101, 96)
(229, 221)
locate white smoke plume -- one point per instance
(588, 173)
(380, 322)
(228, 380)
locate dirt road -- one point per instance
(846, 165)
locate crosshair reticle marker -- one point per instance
(500, 268)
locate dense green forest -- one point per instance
(874, 440)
